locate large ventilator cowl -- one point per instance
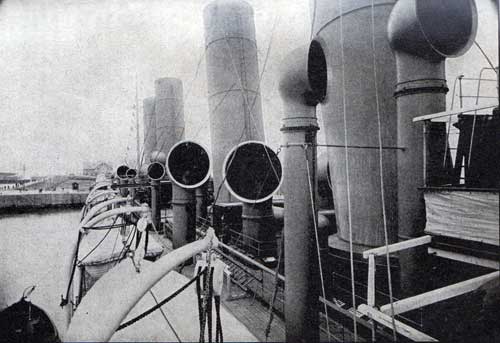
(121, 172)
(433, 29)
(188, 164)
(252, 172)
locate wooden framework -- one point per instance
(383, 317)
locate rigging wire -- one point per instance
(100, 242)
(313, 209)
(165, 317)
(351, 255)
(253, 103)
(381, 166)
(486, 57)
(449, 121)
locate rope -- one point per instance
(313, 209)
(100, 242)
(160, 304)
(64, 301)
(384, 214)
(219, 337)
(206, 289)
(126, 246)
(347, 169)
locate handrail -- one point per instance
(245, 257)
(120, 289)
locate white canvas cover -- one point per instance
(469, 215)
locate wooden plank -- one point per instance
(478, 261)
(371, 281)
(439, 294)
(411, 243)
(462, 110)
(401, 328)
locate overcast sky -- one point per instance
(68, 71)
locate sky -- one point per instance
(69, 72)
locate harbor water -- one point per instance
(36, 243)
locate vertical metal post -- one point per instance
(155, 204)
(183, 217)
(460, 90)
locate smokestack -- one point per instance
(422, 34)
(149, 119)
(302, 86)
(169, 113)
(234, 98)
(358, 88)
(233, 81)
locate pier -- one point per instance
(35, 200)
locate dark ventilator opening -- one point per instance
(188, 164)
(252, 172)
(121, 171)
(156, 171)
(131, 173)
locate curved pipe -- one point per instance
(96, 196)
(302, 86)
(114, 212)
(94, 210)
(99, 185)
(303, 78)
(97, 189)
(100, 194)
(433, 29)
(123, 287)
(423, 33)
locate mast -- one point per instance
(137, 124)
